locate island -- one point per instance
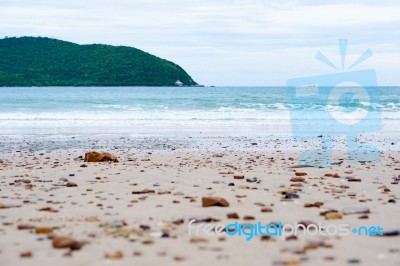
(41, 61)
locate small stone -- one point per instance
(355, 210)
(66, 242)
(300, 174)
(291, 196)
(71, 184)
(266, 209)
(25, 227)
(316, 204)
(238, 177)
(353, 261)
(118, 255)
(333, 216)
(214, 201)
(145, 191)
(26, 254)
(297, 179)
(354, 180)
(233, 215)
(95, 157)
(43, 230)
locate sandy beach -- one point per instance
(57, 209)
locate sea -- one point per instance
(176, 111)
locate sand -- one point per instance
(44, 188)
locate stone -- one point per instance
(317, 204)
(214, 201)
(95, 157)
(266, 209)
(354, 180)
(71, 184)
(333, 216)
(118, 255)
(297, 179)
(144, 191)
(26, 254)
(291, 196)
(300, 174)
(355, 210)
(233, 215)
(43, 230)
(25, 227)
(60, 242)
(238, 177)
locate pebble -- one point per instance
(66, 242)
(333, 216)
(355, 210)
(214, 201)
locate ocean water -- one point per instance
(165, 111)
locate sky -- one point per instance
(226, 42)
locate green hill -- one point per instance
(30, 61)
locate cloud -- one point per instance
(235, 42)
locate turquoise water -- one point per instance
(163, 110)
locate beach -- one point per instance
(138, 210)
(194, 176)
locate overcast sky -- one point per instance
(225, 42)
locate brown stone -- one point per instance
(233, 215)
(317, 204)
(26, 254)
(214, 201)
(300, 174)
(43, 230)
(118, 255)
(144, 191)
(333, 216)
(95, 157)
(60, 242)
(238, 177)
(297, 179)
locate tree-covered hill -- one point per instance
(31, 61)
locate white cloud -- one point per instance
(236, 42)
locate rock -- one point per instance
(60, 242)
(95, 157)
(300, 174)
(25, 227)
(317, 204)
(84, 165)
(291, 196)
(43, 230)
(297, 179)
(355, 210)
(118, 255)
(354, 180)
(214, 201)
(145, 191)
(391, 233)
(238, 177)
(26, 254)
(266, 209)
(333, 216)
(252, 180)
(233, 215)
(6, 206)
(71, 184)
